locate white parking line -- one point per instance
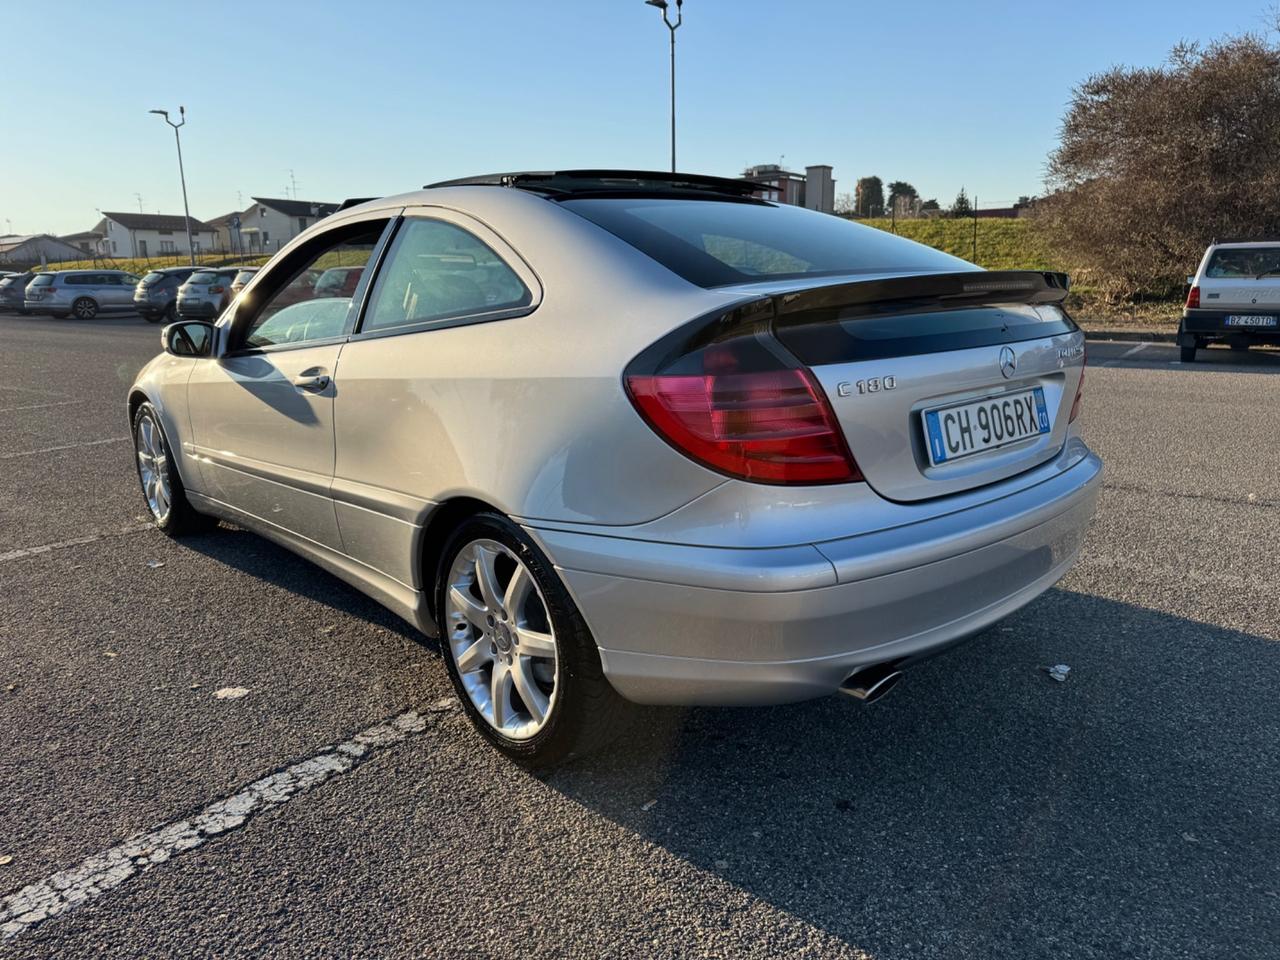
(63, 446)
(1127, 354)
(37, 406)
(95, 875)
(63, 544)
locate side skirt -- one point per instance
(403, 601)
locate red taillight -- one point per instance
(1075, 407)
(216, 289)
(772, 426)
(1193, 298)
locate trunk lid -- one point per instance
(887, 350)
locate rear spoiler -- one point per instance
(967, 287)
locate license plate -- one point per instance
(968, 428)
(1246, 321)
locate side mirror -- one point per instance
(188, 338)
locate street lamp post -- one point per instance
(663, 6)
(186, 211)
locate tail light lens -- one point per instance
(741, 408)
(216, 289)
(1075, 406)
(1193, 298)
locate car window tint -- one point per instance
(717, 242)
(436, 271)
(301, 309)
(1243, 262)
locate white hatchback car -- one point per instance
(632, 437)
(1234, 298)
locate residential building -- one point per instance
(819, 188)
(151, 235)
(815, 188)
(271, 223)
(226, 232)
(87, 242)
(36, 249)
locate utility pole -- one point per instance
(672, 27)
(139, 196)
(293, 182)
(186, 211)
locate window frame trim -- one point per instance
(503, 250)
(235, 324)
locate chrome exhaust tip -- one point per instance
(871, 682)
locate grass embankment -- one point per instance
(140, 266)
(1015, 244)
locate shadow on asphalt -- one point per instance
(260, 558)
(985, 810)
(982, 809)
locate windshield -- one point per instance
(717, 242)
(1243, 262)
(42, 280)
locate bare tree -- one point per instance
(1155, 162)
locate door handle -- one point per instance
(312, 383)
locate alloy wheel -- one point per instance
(85, 309)
(153, 466)
(501, 639)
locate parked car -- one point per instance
(242, 278)
(637, 438)
(338, 282)
(206, 293)
(156, 295)
(1234, 298)
(13, 289)
(80, 293)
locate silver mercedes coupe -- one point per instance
(621, 438)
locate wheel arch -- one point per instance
(440, 526)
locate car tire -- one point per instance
(85, 308)
(1187, 354)
(582, 710)
(153, 458)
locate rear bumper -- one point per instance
(698, 625)
(197, 308)
(46, 306)
(1213, 323)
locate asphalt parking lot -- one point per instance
(983, 809)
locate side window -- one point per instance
(436, 271)
(295, 309)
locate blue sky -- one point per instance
(376, 97)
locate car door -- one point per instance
(262, 410)
(118, 292)
(397, 410)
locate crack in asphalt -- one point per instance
(95, 875)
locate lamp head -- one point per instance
(660, 4)
(163, 113)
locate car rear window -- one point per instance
(152, 277)
(718, 242)
(42, 280)
(203, 276)
(244, 275)
(1243, 262)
